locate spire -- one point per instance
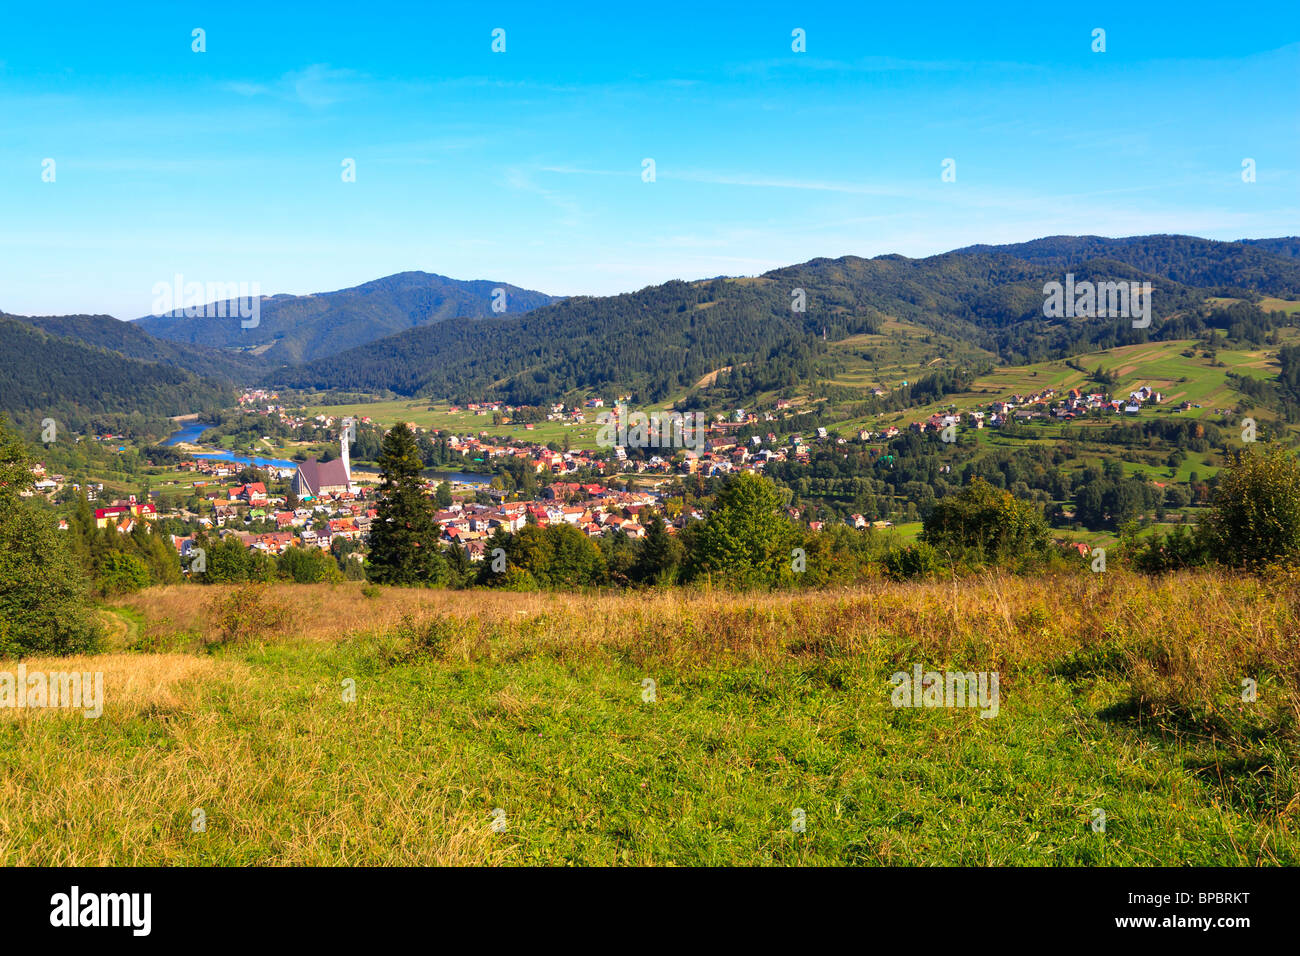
(346, 448)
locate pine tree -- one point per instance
(404, 547)
(658, 554)
(746, 538)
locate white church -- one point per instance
(316, 479)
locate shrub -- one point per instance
(122, 573)
(309, 566)
(245, 613)
(1178, 550)
(424, 638)
(914, 561)
(991, 524)
(1255, 519)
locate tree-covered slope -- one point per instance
(84, 387)
(662, 339)
(1262, 265)
(301, 328)
(132, 341)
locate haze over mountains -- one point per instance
(417, 333)
(299, 328)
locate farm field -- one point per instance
(900, 351)
(533, 712)
(1160, 365)
(439, 416)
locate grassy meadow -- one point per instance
(1118, 693)
(440, 416)
(1161, 365)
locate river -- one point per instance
(190, 435)
(461, 477)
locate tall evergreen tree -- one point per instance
(404, 546)
(746, 540)
(658, 555)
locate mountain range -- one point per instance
(292, 329)
(659, 341)
(423, 334)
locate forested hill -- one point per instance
(653, 340)
(1254, 265)
(300, 328)
(1286, 246)
(661, 340)
(85, 388)
(131, 341)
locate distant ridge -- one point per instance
(660, 341)
(300, 328)
(131, 341)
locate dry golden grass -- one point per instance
(1010, 617)
(528, 701)
(1182, 638)
(134, 684)
(329, 612)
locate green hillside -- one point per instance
(799, 327)
(132, 341)
(300, 328)
(83, 387)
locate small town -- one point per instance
(325, 505)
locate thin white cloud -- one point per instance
(316, 86)
(518, 178)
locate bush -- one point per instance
(309, 566)
(914, 561)
(1255, 519)
(424, 638)
(991, 524)
(516, 579)
(245, 613)
(123, 573)
(1176, 551)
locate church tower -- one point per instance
(345, 438)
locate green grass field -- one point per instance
(439, 416)
(1160, 365)
(532, 712)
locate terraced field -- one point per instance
(1161, 365)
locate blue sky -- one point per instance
(526, 166)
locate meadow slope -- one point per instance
(1118, 694)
